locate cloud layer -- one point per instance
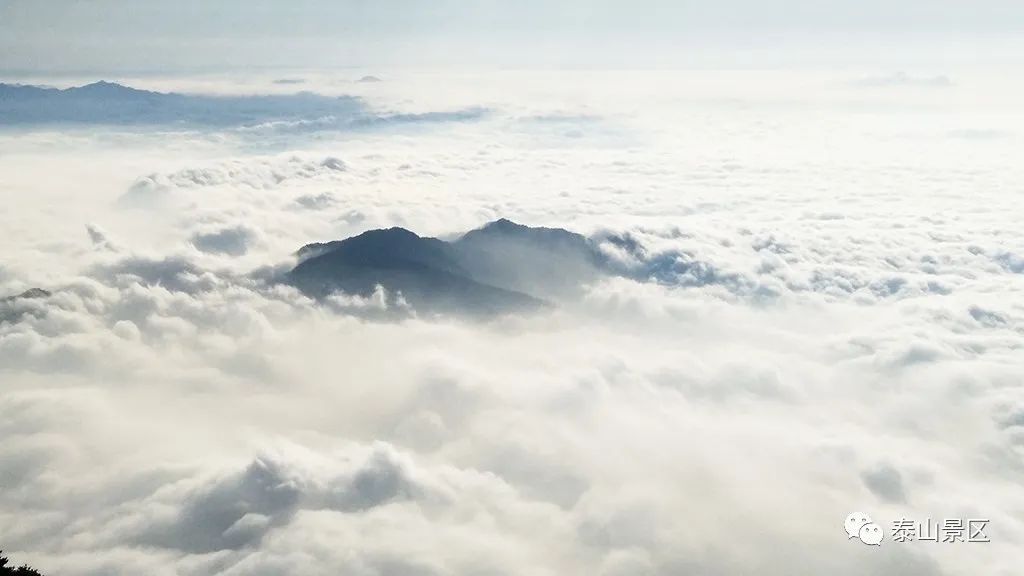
(832, 322)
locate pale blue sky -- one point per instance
(189, 34)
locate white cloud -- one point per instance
(835, 325)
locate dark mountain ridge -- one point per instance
(540, 261)
(500, 267)
(30, 294)
(13, 308)
(111, 103)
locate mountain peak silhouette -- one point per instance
(30, 294)
(502, 266)
(105, 89)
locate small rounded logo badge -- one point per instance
(859, 525)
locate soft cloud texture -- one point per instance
(831, 321)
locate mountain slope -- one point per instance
(500, 267)
(425, 271)
(111, 103)
(542, 262)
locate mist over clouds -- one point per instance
(815, 308)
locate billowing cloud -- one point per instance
(810, 319)
(233, 241)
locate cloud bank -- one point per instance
(824, 325)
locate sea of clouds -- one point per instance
(843, 331)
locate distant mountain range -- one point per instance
(110, 103)
(500, 267)
(114, 104)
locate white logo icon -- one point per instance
(854, 522)
(859, 525)
(871, 534)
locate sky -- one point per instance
(70, 35)
(840, 329)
